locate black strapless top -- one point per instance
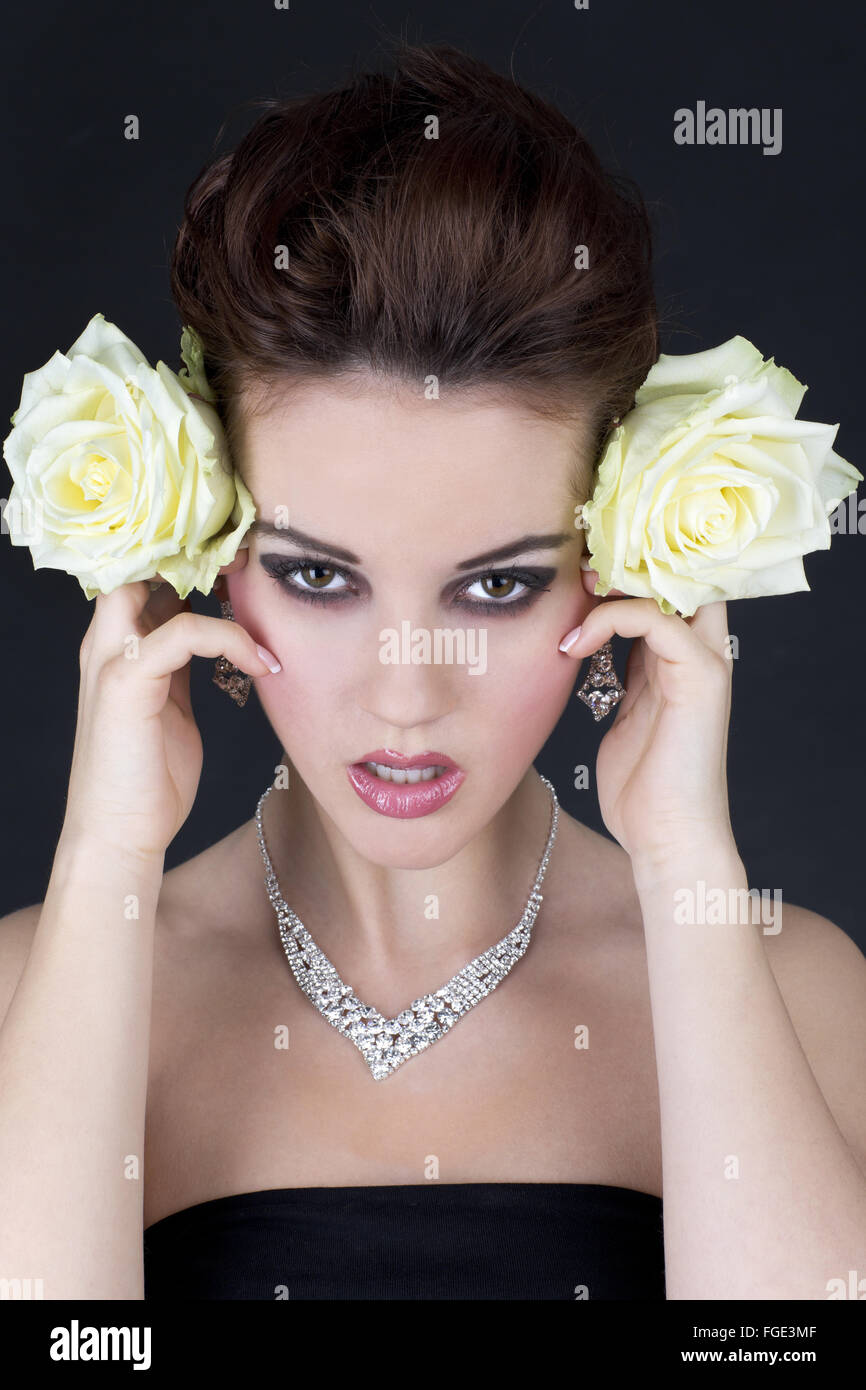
(477, 1240)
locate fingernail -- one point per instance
(569, 640)
(268, 658)
(586, 563)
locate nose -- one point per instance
(399, 692)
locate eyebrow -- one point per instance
(550, 541)
(288, 533)
(503, 552)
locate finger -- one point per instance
(666, 634)
(116, 626)
(179, 688)
(165, 603)
(710, 624)
(635, 677)
(115, 615)
(173, 645)
(641, 704)
(590, 579)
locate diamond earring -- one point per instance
(601, 673)
(226, 675)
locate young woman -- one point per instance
(417, 374)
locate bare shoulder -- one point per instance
(596, 860)
(16, 936)
(596, 894)
(209, 889)
(819, 968)
(821, 974)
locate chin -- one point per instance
(420, 842)
(436, 849)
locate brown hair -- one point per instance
(410, 256)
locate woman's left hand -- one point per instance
(661, 768)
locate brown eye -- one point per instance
(498, 585)
(317, 576)
(307, 578)
(506, 590)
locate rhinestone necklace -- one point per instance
(385, 1043)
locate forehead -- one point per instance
(365, 434)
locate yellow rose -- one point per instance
(119, 474)
(710, 488)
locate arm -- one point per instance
(764, 1192)
(765, 1197)
(74, 1046)
(73, 1080)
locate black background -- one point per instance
(767, 246)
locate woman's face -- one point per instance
(414, 566)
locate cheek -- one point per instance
(293, 630)
(528, 681)
(529, 692)
(295, 698)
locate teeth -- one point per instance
(401, 775)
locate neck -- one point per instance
(379, 923)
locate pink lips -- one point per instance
(408, 799)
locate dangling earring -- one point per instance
(601, 673)
(226, 675)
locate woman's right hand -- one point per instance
(138, 754)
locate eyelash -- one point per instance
(281, 568)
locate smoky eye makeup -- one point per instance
(311, 578)
(523, 585)
(500, 589)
